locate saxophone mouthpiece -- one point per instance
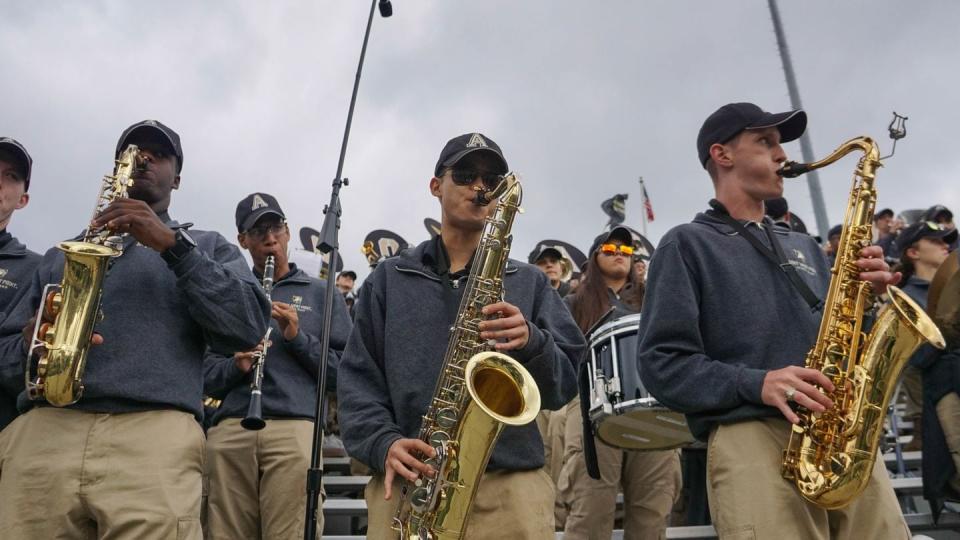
(481, 198)
(792, 169)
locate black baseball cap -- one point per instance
(923, 229)
(253, 207)
(24, 161)
(543, 250)
(836, 230)
(728, 121)
(466, 144)
(617, 233)
(936, 211)
(168, 135)
(349, 273)
(886, 212)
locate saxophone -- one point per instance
(478, 392)
(831, 454)
(73, 305)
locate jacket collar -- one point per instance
(10, 246)
(423, 259)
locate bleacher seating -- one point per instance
(345, 508)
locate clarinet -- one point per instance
(254, 419)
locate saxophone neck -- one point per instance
(868, 163)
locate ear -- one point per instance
(435, 187)
(242, 240)
(24, 199)
(912, 253)
(176, 182)
(721, 155)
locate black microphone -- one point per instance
(386, 8)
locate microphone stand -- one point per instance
(329, 243)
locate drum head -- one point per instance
(645, 428)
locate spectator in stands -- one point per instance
(885, 230)
(923, 248)
(833, 241)
(779, 212)
(345, 281)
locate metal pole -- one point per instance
(643, 211)
(806, 149)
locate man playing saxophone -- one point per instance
(402, 327)
(733, 305)
(125, 460)
(254, 475)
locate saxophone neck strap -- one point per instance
(774, 255)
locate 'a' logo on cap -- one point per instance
(476, 141)
(258, 202)
(150, 123)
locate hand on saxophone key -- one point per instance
(876, 270)
(511, 326)
(794, 383)
(401, 460)
(140, 221)
(47, 319)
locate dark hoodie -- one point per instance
(157, 321)
(17, 264)
(393, 357)
(718, 316)
(290, 372)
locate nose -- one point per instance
(779, 155)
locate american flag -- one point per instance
(647, 205)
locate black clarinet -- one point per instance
(254, 419)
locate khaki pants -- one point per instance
(258, 480)
(68, 474)
(651, 483)
(750, 499)
(509, 504)
(552, 426)
(948, 412)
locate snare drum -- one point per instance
(623, 414)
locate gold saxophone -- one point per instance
(831, 454)
(74, 304)
(478, 392)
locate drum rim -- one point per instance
(627, 321)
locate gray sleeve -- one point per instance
(13, 354)
(670, 353)
(367, 423)
(554, 348)
(306, 346)
(223, 297)
(220, 374)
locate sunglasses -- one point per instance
(261, 232)
(465, 177)
(613, 249)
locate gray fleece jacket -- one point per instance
(290, 372)
(393, 357)
(17, 264)
(718, 316)
(157, 322)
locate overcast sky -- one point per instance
(583, 97)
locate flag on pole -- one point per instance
(647, 205)
(616, 209)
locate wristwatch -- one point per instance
(184, 244)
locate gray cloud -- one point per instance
(583, 98)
